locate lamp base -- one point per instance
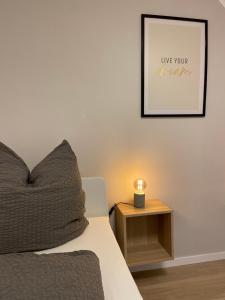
(139, 200)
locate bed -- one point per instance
(98, 237)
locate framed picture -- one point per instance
(173, 66)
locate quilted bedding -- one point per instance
(58, 276)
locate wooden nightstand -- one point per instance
(145, 235)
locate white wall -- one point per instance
(71, 69)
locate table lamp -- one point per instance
(139, 194)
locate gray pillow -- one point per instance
(41, 209)
(13, 170)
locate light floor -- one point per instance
(205, 281)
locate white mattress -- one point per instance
(98, 237)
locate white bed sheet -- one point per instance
(98, 237)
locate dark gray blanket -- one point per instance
(59, 276)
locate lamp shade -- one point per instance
(139, 186)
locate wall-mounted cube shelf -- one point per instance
(145, 235)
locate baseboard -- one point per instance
(181, 261)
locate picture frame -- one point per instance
(174, 54)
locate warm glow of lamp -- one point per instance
(140, 186)
(139, 194)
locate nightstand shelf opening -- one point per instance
(148, 239)
(145, 235)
